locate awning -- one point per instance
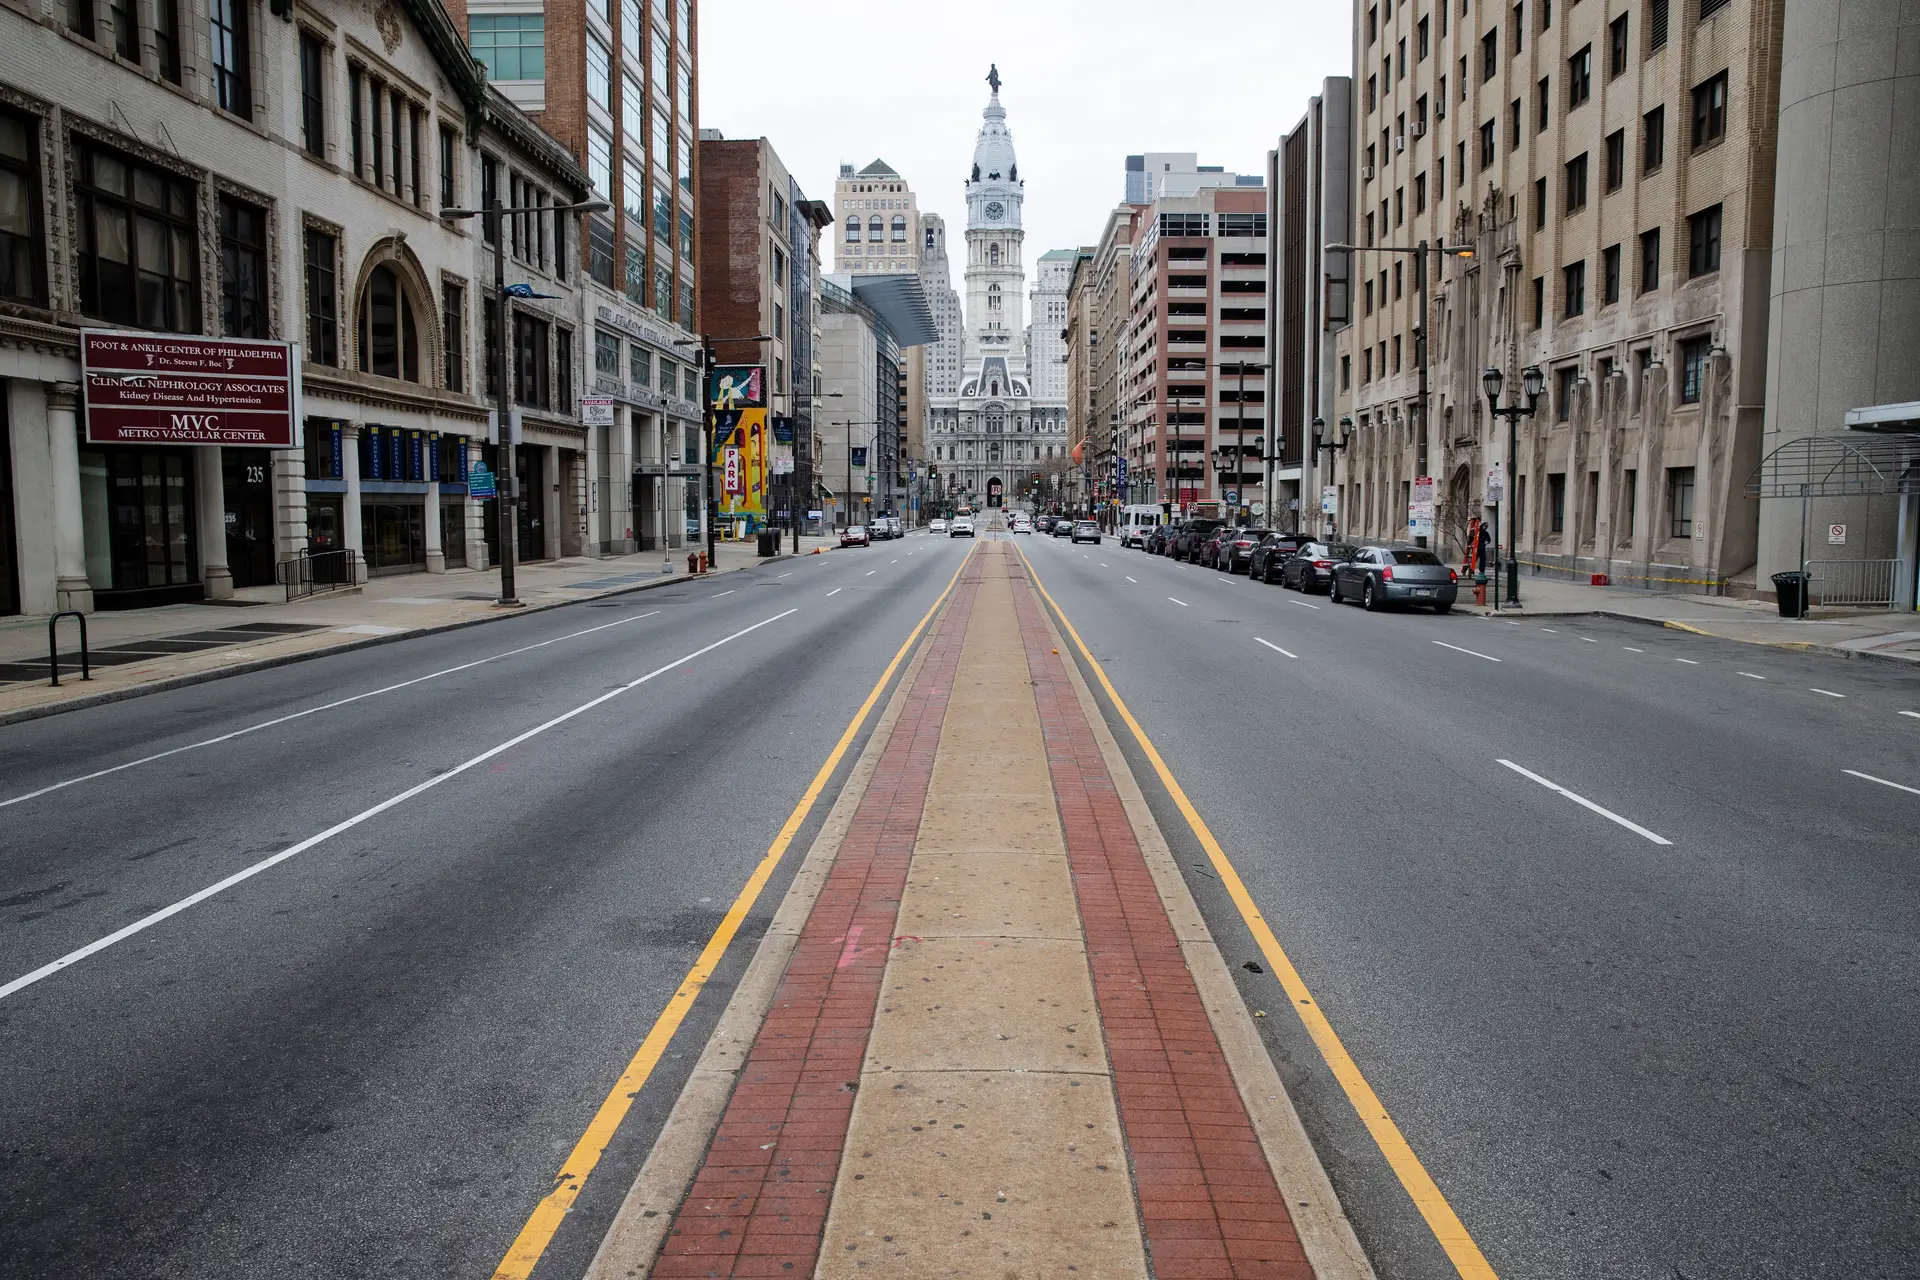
(1855, 464)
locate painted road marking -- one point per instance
(871, 572)
(1276, 648)
(1689, 661)
(247, 873)
(1103, 564)
(787, 574)
(1550, 631)
(1457, 649)
(1749, 675)
(1581, 800)
(1830, 693)
(1589, 639)
(1182, 603)
(523, 1255)
(727, 592)
(836, 591)
(895, 560)
(1303, 604)
(1883, 782)
(1446, 1226)
(1630, 649)
(1914, 714)
(1136, 582)
(325, 706)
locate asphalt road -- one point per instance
(372, 1057)
(1615, 1057)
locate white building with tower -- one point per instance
(991, 439)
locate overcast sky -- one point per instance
(1085, 84)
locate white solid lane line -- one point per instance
(1608, 814)
(1830, 693)
(1914, 714)
(325, 706)
(1182, 603)
(1689, 661)
(836, 591)
(1276, 648)
(1303, 604)
(1882, 781)
(247, 873)
(1749, 675)
(1457, 649)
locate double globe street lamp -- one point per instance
(1532, 382)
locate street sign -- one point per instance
(175, 389)
(1497, 482)
(1233, 497)
(1120, 472)
(596, 411)
(1836, 535)
(479, 480)
(1422, 489)
(1329, 500)
(735, 480)
(1258, 508)
(816, 514)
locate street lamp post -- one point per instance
(1532, 382)
(1322, 441)
(493, 222)
(872, 442)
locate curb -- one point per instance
(84, 701)
(1795, 646)
(639, 1226)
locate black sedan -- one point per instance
(1272, 551)
(1311, 567)
(1380, 576)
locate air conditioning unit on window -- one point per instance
(1400, 143)
(1366, 173)
(1419, 129)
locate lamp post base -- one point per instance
(1513, 582)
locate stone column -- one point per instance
(71, 588)
(210, 508)
(436, 554)
(549, 504)
(350, 509)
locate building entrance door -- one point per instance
(394, 536)
(245, 478)
(530, 467)
(144, 521)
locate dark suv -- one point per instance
(1263, 564)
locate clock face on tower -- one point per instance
(995, 211)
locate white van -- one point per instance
(1137, 520)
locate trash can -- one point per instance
(1791, 588)
(767, 542)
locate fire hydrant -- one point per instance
(696, 562)
(1480, 589)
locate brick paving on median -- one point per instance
(759, 1203)
(1209, 1206)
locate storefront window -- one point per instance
(136, 508)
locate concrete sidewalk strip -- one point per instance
(991, 1051)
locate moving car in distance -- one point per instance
(1021, 523)
(1062, 527)
(854, 535)
(962, 527)
(1379, 576)
(936, 525)
(1086, 531)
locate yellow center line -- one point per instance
(525, 1252)
(1447, 1228)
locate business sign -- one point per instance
(858, 456)
(144, 388)
(740, 436)
(783, 430)
(596, 411)
(1120, 473)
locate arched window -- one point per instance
(853, 229)
(876, 232)
(993, 255)
(993, 297)
(389, 338)
(899, 229)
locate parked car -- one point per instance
(1086, 531)
(1160, 539)
(962, 527)
(1235, 552)
(1311, 567)
(1062, 527)
(855, 535)
(1187, 539)
(1379, 576)
(936, 525)
(1270, 553)
(1208, 552)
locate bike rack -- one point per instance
(53, 645)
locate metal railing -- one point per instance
(1852, 582)
(312, 572)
